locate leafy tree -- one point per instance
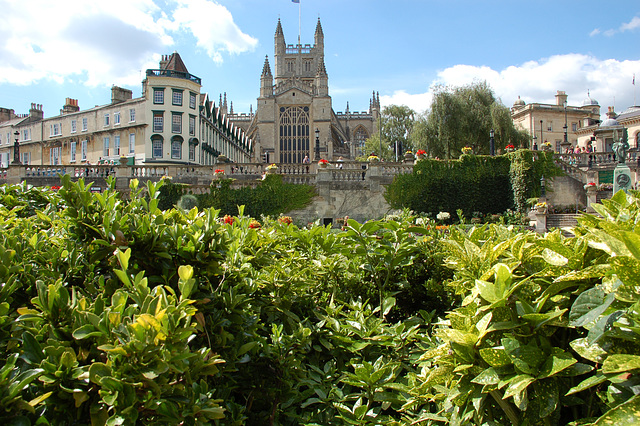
(464, 116)
(397, 125)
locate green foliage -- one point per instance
(463, 116)
(473, 183)
(113, 311)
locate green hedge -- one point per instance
(472, 183)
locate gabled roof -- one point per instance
(175, 64)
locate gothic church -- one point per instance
(294, 117)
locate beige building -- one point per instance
(602, 135)
(294, 117)
(171, 123)
(547, 122)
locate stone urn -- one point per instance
(408, 157)
(124, 161)
(271, 170)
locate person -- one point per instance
(306, 160)
(339, 162)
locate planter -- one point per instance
(323, 165)
(421, 157)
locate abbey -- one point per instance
(294, 117)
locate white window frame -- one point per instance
(192, 152)
(158, 96)
(74, 126)
(116, 118)
(176, 97)
(192, 125)
(26, 158)
(83, 151)
(26, 135)
(176, 125)
(105, 146)
(116, 145)
(176, 150)
(157, 147)
(132, 115)
(55, 130)
(132, 143)
(85, 124)
(106, 119)
(158, 123)
(192, 100)
(54, 155)
(72, 152)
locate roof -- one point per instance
(175, 64)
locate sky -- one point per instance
(401, 49)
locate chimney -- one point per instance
(35, 112)
(70, 106)
(164, 61)
(7, 114)
(118, 94)
(561, 98)
(611, 113)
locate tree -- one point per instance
(464, 116)
(397, 124)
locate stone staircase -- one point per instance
(562, 221)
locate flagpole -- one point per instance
(300, 20)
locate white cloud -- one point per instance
(609, 82)
(104, 43)
(632, 25)
(213, 27)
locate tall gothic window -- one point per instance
(359, 137)
(294, 134)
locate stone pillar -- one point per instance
(592, 197)
(15, 174)
(541, 220)
(123, 173)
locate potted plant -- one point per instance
(323, 164)
(546, 146)
(373, 158)
(510, 148)
(218, 174)
(467, 150)
(272, 168)
(541, 207)
(421, 154)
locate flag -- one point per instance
(296, 1)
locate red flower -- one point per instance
(510, 146)
(228, 219)
(254, 224)
(421, 152)
(323, 161)
(219, 171)
(286, 220)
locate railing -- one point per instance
(174, 74)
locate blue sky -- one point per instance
(402, 48)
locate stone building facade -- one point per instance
(546, 122)
(294, 116)
(171, 123)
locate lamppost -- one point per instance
(317, 144)
(543, 190)
(492, 147)
(566, 141)
(16, 149)
(541, 138)
(535, 143)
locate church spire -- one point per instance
(279, 31)
(266, 68)
(266, 80)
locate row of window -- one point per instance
(176, 122)
(176, 149)
(56, 128)
(106, 147)
(176, 97)
(574, 127)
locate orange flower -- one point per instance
(254, 224)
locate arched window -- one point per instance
(176, 148)
(359, 137)
(294, 134)
(156, 146)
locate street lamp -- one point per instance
(566, 141)
(535, 143)
(317, 144)
(541, 138)
(16, 149)
(492, 147)
(543, 190)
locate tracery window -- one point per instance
(294, 134)
(359, 137)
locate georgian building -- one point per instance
(294, 117)
(546, 122)
(171, 123)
